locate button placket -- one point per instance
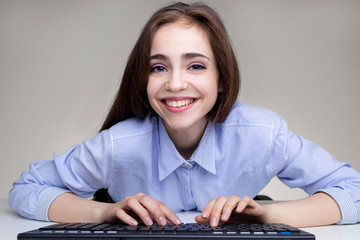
(185, 171)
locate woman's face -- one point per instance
(183, 80)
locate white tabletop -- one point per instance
(11, 224)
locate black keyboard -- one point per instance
(169, 231)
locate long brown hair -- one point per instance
(132, 100)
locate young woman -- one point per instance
(176, 139)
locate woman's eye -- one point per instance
(197, 67)
(158, 69)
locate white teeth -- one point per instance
(180, 103)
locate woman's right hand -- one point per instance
(140, 207)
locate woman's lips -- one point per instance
(178, 104)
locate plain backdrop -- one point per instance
(61, 63)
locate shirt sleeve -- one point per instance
(300, 163)
(83, 169)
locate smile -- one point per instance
(179, 103)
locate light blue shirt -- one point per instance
(237, 157)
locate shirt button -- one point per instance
(186, 186)
(187, 165)
(189, 202)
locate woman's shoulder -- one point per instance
(245, 114)
(134, 127)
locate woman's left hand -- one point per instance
(232, 209)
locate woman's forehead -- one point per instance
(180, 37)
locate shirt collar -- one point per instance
(170, 159)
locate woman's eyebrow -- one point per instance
(194, 55)
(184, 56)
(159, 57)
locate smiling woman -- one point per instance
(200, 148)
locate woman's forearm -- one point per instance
(316, 210)
(71, 208)
(139, 207)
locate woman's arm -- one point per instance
(315, 210)
(71, 208)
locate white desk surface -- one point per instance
(11, 224)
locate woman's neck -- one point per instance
(187, 140)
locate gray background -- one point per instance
(61, 63)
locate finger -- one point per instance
(124, 217)
(229, 206)
(253, 208)
(138, 195)
(170, 215)
(207, 209)
(217, 210)
(248, 206)
(152, 206)
(243, 203)
(134, 205)
(200, 219)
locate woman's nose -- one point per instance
(176, 82)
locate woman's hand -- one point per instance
(232, 209)
(140, 207)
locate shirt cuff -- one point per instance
(347, 206)
(43, 205)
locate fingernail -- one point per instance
(148, 221)
(240, 207)
(133, 222)
(224, 216)
(162, 221)
(213, 222)
(204, 214)
(177, 220)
